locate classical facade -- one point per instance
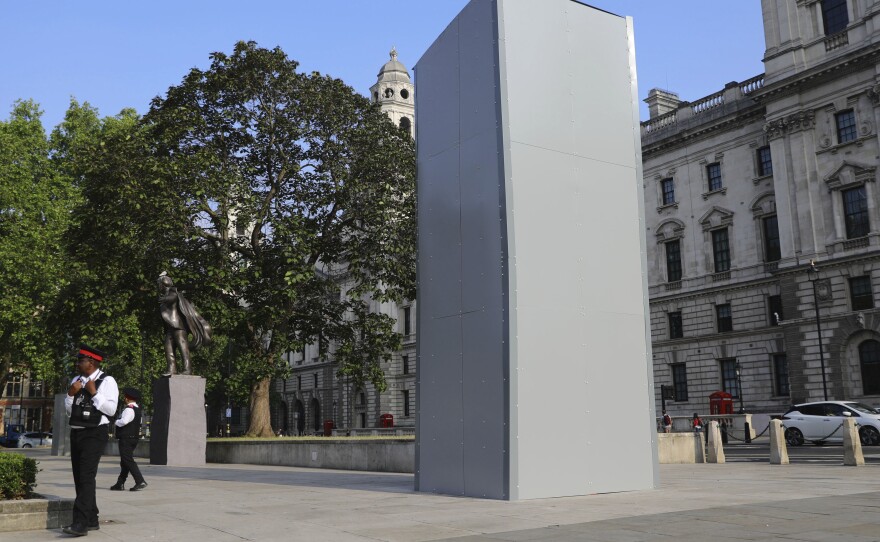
(747, 186)
(26, 401)
(314, 394)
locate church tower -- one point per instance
(395, 93)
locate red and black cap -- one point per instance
(86, 351)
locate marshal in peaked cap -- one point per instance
(134, 393)
(86, 351)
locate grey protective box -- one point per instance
(179, 428)
(534, 373)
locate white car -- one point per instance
(32, 440)
(821, 422)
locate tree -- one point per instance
(35, 204)
(286, 186)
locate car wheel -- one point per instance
(26, 446)
(819, 443)
(794, 437)
(869, 436)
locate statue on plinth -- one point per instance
(180, 319)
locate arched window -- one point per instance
(869, 358)
(405, 124)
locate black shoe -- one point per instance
(118, 486)
(76, 530)
(138, 487)
(94, 526)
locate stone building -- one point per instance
(743, 189)
(314, 393)
(26, 401)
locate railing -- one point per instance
(652, 125)
(751, 85)
(673, 285)
(856, 243)
(836, 41)
(725, 275)
(709, 102)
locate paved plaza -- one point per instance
(219, 503)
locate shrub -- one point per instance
(18, 476)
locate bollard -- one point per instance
(723, 432)
(748, 431)
(778, 449)
(852, 446)
(716, 450)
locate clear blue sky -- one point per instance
(116, 54)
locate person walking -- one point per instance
(128, 428)
(667, 422)
(91, 401)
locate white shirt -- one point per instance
(127, 415)
(104, 400)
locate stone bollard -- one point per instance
(778, 449)
(852, 446)
(716, 450)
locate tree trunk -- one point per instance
(260, 423)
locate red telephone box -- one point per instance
(328, 428)
(720, 403)
(386, 420)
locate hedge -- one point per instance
(18, 476)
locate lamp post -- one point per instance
(813, 274)
(739, 387)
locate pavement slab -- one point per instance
(707, 503)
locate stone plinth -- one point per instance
(35, 514)
(179, 427)
(852, 446)
(715, 451)
(778, 449)
(61, 433)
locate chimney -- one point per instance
(661, 102)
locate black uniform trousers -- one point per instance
(86, 447)
(126, 460)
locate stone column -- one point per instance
(778, 449)
(852, 446)
(716, 450)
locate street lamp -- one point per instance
(813, 274)
(739, 387)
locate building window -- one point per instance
(362, 399)
(36, 388)
(676, 331)
(765, 162)
(673, 261)
(721, 250)
(407, 326)
(299, 382)
(835, 16)
(855, 212)
(724, 318)
(667, 186)
(774, 308)
(405, 124)
(315, 381)
(772, 249)
(869, 358)
(13, 386)
(860, 294)
(780, 374)
(406, 365)
(713, 173)
(679, 381)
(729, 382)
(846, 126)
(405, 403)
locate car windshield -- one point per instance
(862, 408)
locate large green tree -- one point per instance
(293, 197)
(35, 205)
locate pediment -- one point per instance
(850, 174)
(716, 217)
(669, 230)
(765, 204)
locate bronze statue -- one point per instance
(180, 318)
